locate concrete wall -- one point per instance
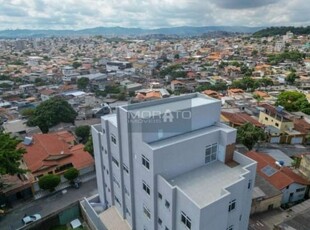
(263, 205)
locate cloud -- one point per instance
(78, 14)
(243, 4)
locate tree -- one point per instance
(293, 101)
(291, 77)
(82, 83)
(248, 135)
(89, 145)
(28, 112)
(51, 112)
(82, 132)
(10, 155)
(49, 182)
(71, 174)
(76, 64)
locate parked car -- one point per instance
(29, 219)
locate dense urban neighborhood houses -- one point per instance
(179, 131)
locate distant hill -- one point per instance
(122, 31)
(273, 31)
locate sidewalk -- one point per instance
(62, 186)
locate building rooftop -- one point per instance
(170, 104)
(205, 184)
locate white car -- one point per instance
(31, 218)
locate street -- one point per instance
(47, 205)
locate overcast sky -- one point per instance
(79, 14)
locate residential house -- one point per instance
(293, 187)
(237, 119)
(177, 85)
(55, 153)
(265, 196)
(279, 126)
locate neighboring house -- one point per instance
(55, 153)
(170, 172)
(212, 93)
(177, 85)
(16, 187)
(304, 166)
(265, 196)
(28, 89)
(235, 92)
(47, 94)
(238, 119)
(19, 128)
(279, 127)
(293, 186)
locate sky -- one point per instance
(150, 14)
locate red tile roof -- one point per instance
(282, 178)
(48, 151)
(301, 125)
(240, 118)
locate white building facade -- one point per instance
(170, 164)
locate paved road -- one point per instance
(47, 205)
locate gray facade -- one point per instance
(170, 164)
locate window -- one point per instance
(186, 220)
(300, 189)
(160, 221)
(115, 181)
(126, 191)
(105, 151)
(145, 162)
(103, 130)
(115, 161)
(211, 151)
(117, 200)
(147, 212)
(167, 204)
(231, 227)
(277, 124)
(266, 118)
(166, 228)
(146, 188)
(127, 211)
(232, 205)
(125, 168)
(249, 184)
(160, 196)
(113, 139)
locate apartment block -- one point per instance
(170, 164)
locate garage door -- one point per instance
(296, 140)
(275, 140)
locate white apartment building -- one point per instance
(170, 164)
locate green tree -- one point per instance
(248, 135)
(293, 101)
(71, 174)
(82, 132)
(76, 64)
(51, 112)
(49, 182)
(10, 155)
(291, 77)
(82, 83)
(89, 145)
(28, 112)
